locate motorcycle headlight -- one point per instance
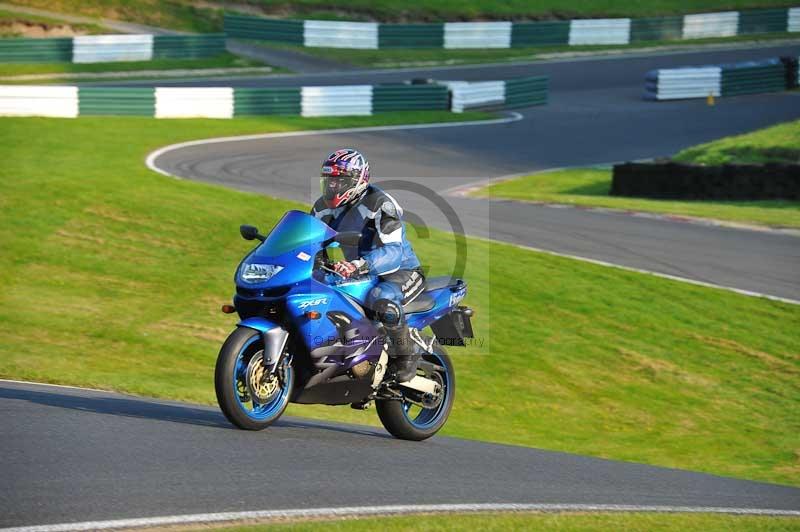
(258, 273)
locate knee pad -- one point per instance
(388, 312)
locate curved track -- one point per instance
(595, 115)
(73, 455)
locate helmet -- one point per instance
(345, 176)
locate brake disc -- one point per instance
(261, 385)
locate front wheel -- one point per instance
(249, 397)
(411, 419)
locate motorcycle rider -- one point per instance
(350, 203)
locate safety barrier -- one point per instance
(111, 48)
(507, 94)
(455, 35)
(690, 181)
(768, 75)
(228, 102)
(35, 50)
(21, 100)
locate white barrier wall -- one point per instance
(477, 35)
(102, 48)
(468, 95)
(28, 100)
(600, 31)
(194, 102)
(335, 34)
(677, 83)
(793, 24)
(705, 25)
(343, 100)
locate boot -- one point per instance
(403, 355)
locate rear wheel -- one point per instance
(250, 397)
(418, 418)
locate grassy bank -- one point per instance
(23, 25)
(590, 186)
(111, 276)
(563, 522)
(187, 15)
(174, 14)
(224, 60)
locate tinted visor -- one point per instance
(336, 179)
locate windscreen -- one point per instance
(294, 230)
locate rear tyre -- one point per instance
(250, 399)
(408, 421)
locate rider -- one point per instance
(350, 203)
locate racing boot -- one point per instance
(402, 353)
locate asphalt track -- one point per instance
(74, 455)
(595, 115)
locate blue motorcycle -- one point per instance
(306, 336)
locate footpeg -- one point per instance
(364, 405)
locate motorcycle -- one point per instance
(306, 336)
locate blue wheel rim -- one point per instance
(258, 411)
(429, 417)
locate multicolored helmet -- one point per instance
(345, 176)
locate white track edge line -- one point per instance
(463, 191)
(513, 116)
(364, 511)
(68, 387)
(597, 262)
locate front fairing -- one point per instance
(291, 245)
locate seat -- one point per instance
(435, 283)
(422, 303)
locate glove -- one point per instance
(350, 269)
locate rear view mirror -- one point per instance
(250, 232)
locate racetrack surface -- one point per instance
(72, 455)
(595, 115)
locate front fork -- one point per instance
(274, 338)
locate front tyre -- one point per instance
(409, 420)
(249, 397)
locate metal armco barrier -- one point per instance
(344, 100)
(228, 102)
(117, 101)
(335, 34)
(188, 46)
(457, 35)
(111, 48)
(409, 97)
(750, 77)
(507, 94)
(15, 50)
(270, 101)
(22, 100)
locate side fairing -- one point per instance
(341, 336)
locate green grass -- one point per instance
(396, 58)
(185, 15)
(526, 521)
(224, 60)
(111, 276)
(453, 10)
(590, 186)
(9, 17)
(776, 144)
(174, 14)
